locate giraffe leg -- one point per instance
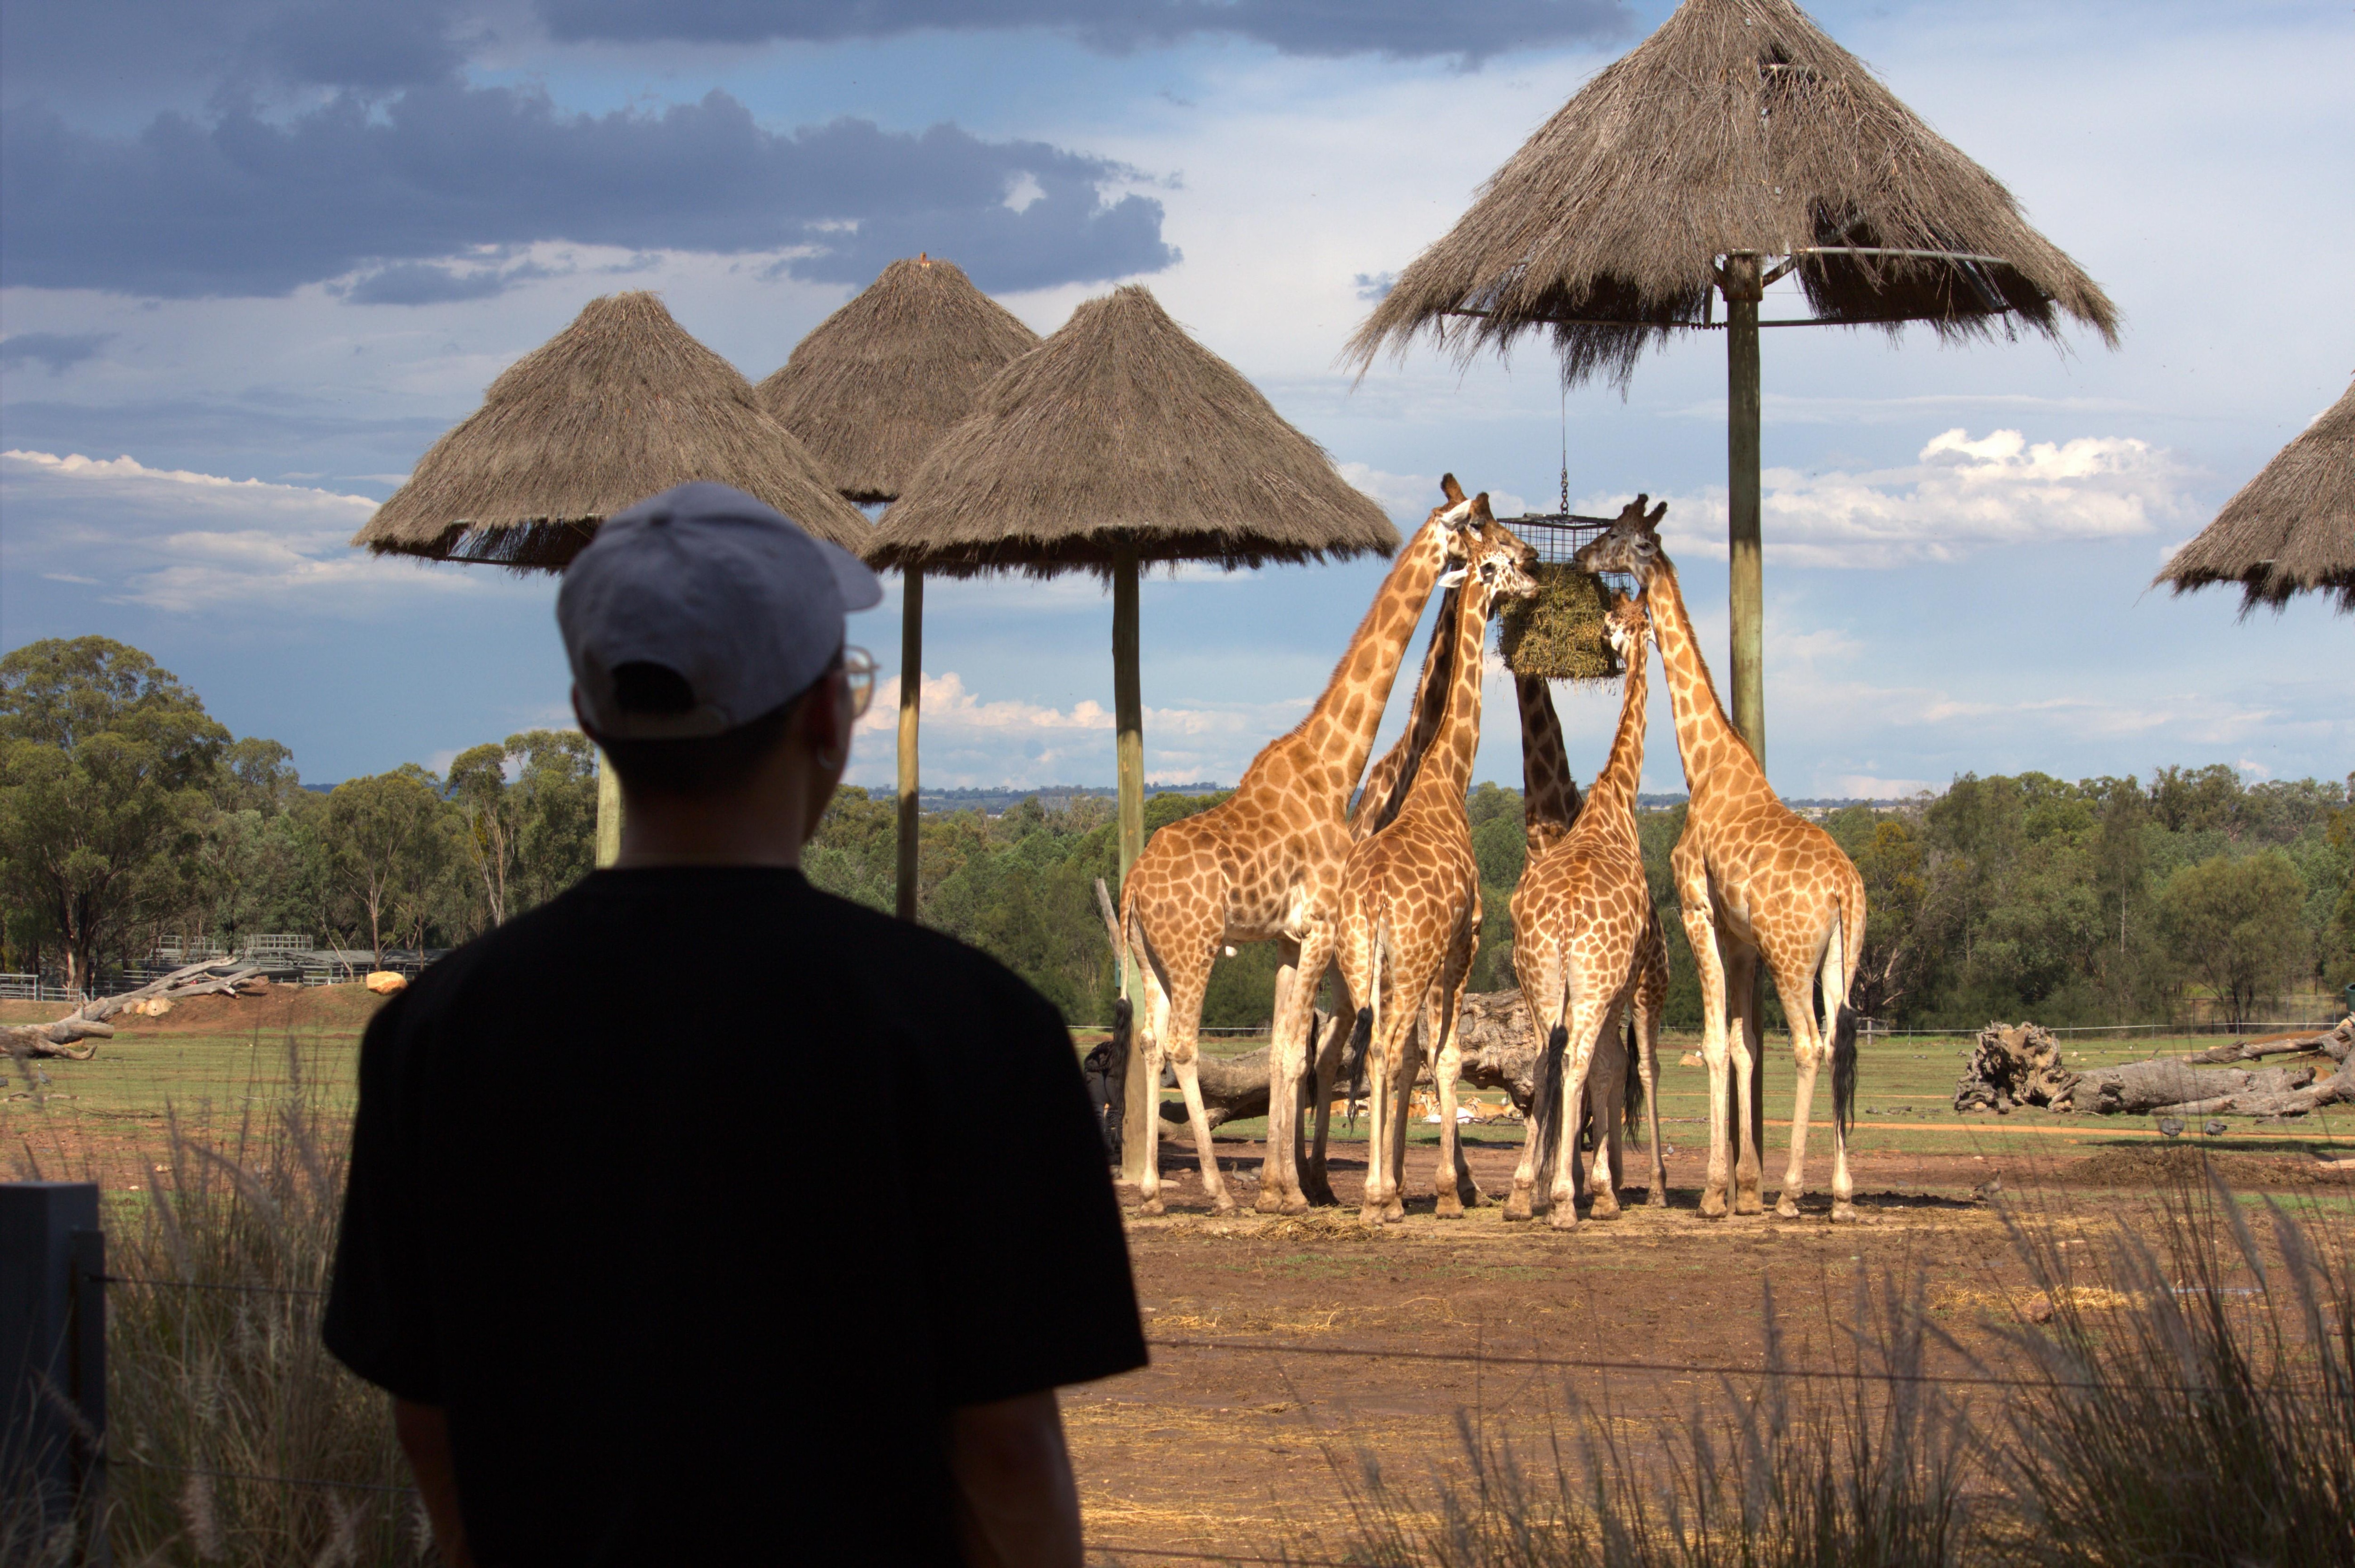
(1315, 1180)
(1606, 1094)
(1541, 995)
(1742, 1047)
(1385, 1106)
(1587, 1015)
(1808, 1053)
(1837, 1028)
(1185, 1017)
(1287, 1061)
(1154, 1018)
(1709, 965)
(1651, 998)
(1402, 1081)
(1452, 1186)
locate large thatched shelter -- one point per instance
(1122, 438)
(869, 391)
(1736, 145)
(619, 406)
(2289, 530)
(874, 385)
(1118, 441)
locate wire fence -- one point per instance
(1770, 1370)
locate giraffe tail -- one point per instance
(1370, 1019)
(1632, 1094)
(1834, 976)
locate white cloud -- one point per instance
(966, 739)
(1866, 786)
(180, 541)
(1409, 497)
(1959, 496)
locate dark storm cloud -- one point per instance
(58, 350)
(421, 282)
(1471, 29)
(239, 204)
(132, 51)
(129, 51)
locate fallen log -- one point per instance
(2015, 1065)
(58, 1039)
(2335, 1044)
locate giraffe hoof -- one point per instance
(1270, 1200)
(1153, 1206)
(1517, 1207)
(1604, 1209)
(1787, 1207)
(1223, 1204)
(1370, 1215)
(1447, 1207)
(1563, 1217)
(1395, 1213)
(1712, 1203)
(1843, 1209)
(1658, 1200)
(1319, 1193)
(1748, 1201)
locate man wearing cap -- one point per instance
(634, 1303)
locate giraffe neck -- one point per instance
(1612, 801)
(1713, 749)
(1394, 776)
(1548, 792)
(1446, 771)
(1340, 728)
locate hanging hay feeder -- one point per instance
(1557, 634)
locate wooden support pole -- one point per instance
(609, 812)
(1140, 1096)
(911, 682)
(1746, 586)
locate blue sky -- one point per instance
(256, 255)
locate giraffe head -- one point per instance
(1454, 519)
(1494, 556)
(1631, 544)
(1627, 626)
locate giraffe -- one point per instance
(1581, 917)
(1410, 923)
(1265, 865)
(1550, 807)
(1756, 882)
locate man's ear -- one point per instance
(580, 717)
(825, 721)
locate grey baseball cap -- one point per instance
(724, 591)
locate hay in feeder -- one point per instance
(1557, 634)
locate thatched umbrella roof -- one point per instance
(876, 383)
(1738, 127)
(2289, 530)
(1122, 429)
(619, 406)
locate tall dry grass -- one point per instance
(2189, 1398)
(234, 1437)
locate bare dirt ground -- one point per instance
(1221, 1450)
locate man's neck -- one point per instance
(755, 828)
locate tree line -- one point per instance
(128, 814)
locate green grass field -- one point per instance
(215, 1060)
(1906, 1091)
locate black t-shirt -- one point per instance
(698, 1197)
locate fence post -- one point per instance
(53, 1360)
